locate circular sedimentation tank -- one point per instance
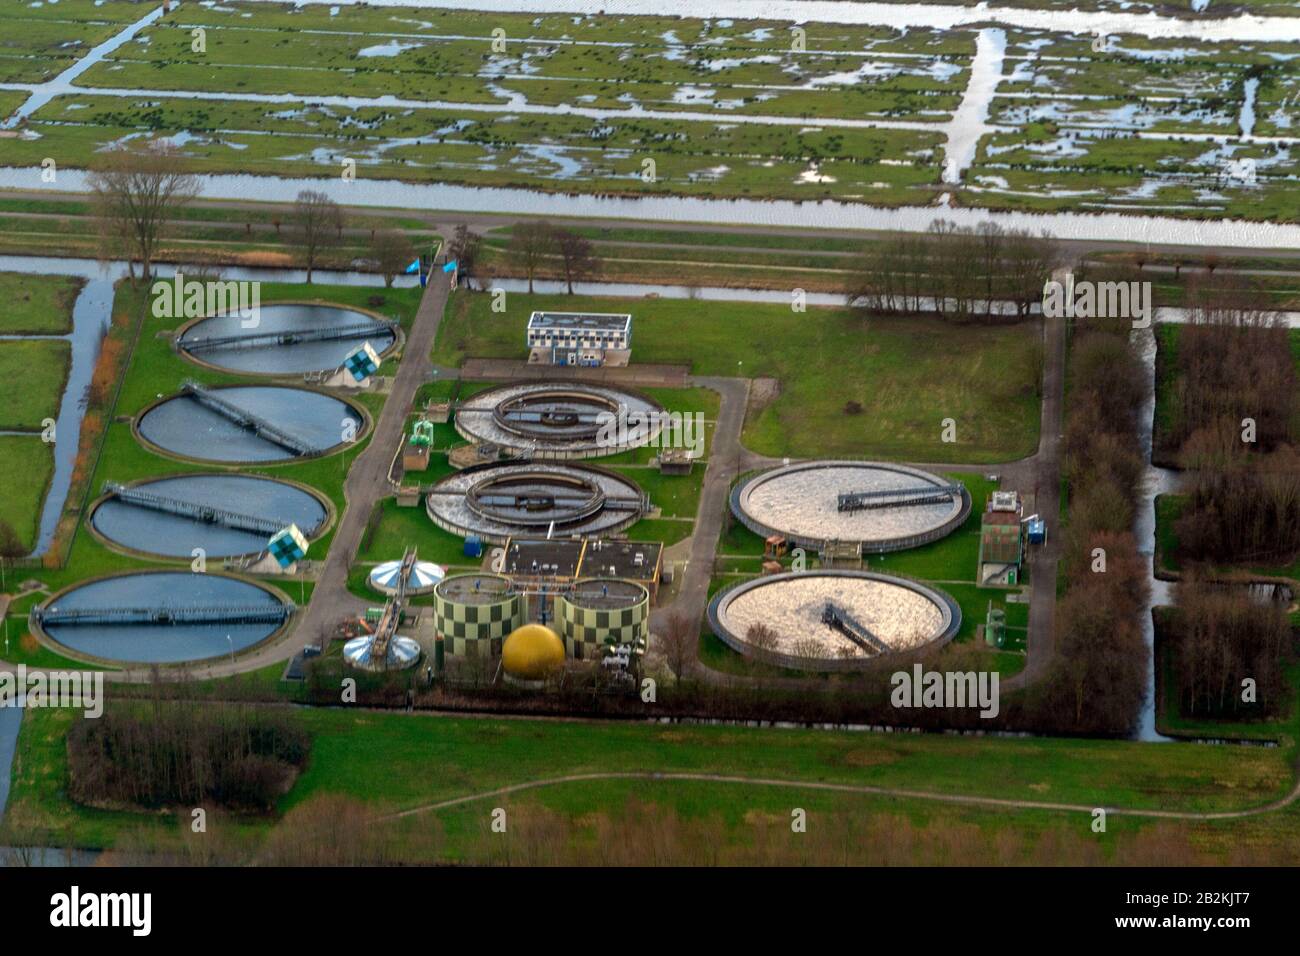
(473, 613)
(831, 620)
(551, 421)
(303, 423)
(223, 514)
(899, 507)
(283, 341)
(403, 652)
(601, 610)
(161, 617)
(531, 654)
(498, 501)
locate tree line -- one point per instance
(1097, 680)
(1234, 421)
(962, 274)
(176, 753)
(1230, 652)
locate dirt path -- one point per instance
(992, 803)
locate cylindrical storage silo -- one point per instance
(473, 613)
(601, 610)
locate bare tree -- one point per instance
(530, 244)
(317, 223)
(463, 249)
(761, 637)
(677, 642)
(965, 272)
(392, 252)
(11, 547)
(136, 191)
(578, 258)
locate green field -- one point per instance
(41, 366)
(381, 761)
(37, 305)
(552, 152)
(908, 374)
(26, 467)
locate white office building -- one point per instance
(579, 338)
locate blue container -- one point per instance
(473, 546)
(1037, 531)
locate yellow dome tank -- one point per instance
(532, 652)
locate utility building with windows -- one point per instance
(579, 338)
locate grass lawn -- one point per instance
(382, 760)
(400, 528)
(42, 368)
(667, 530)
(908, 375)
(951, 558)
(26, 467)
(37, 305)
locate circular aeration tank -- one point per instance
(272, 346)
(183, 426)
(598, 610)
(831, 620)
(150, 529)
(801, 502)
(159, 593)
(498, 501)
(550, 421)
(402, 653)
(473, 613)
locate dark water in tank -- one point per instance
(298, 357)
(162, 644)
(184, 427)
(157, 532)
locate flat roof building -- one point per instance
(534, 561)
(579, 338)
